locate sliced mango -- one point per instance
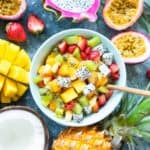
(2, 79)
(4, 99)
(3, 47)
(21, 89)
(4, 67)
(78, 85)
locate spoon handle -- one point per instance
(129, 90)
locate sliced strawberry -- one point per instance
(62, 47)
(115, 76)
(101, 100)
(15, 32)
(84, 56)
(35, 24)
(114, 68)
(94, 55)
(70, 105)
(82, 44)
(41, 84)
(88, 50)
(109, 94)
(148, 74)
(71, 48)
(95, 108)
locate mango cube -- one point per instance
(78, 85)
(54, 86)
(10, 88)
(4, 67)
(3, 47)
(69, 95)
(2, 79)
(4, 99)
(19, 74)
(21, 89)
(64, 70)
(11, 52)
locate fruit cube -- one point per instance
(23, 60)
(69, 95)
(79, 85)
(11, 52)
(72, 61)
(54, 86)
(2, 79)
(3, 47)
(10, 88)
(4, 99)
(74, 39)
(50, 60)
(19, 74)
(21, 89)
(4, 67)
(94, 41)
(64, 70)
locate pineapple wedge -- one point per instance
(14, 72)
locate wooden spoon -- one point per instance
(129, 90)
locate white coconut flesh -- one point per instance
(74, 5)
(21, 130)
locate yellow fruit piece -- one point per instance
(78, 85)
(21, 89)
(72, 61)
(23, 60)
(4, 67)
(64, 70)
(18, 74)
(2, 79)
(3, 47)
(52, 106)
(50, 60)
(54, 86)
(11, 52)
(102, 81)
(10, 88)
(69, 95)
(4, 99)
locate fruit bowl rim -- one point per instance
(40, 56)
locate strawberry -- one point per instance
(148, 74)
(35, 24)
(70, 105)
(71, 48)
(83, 55)
(88, 50)
(101, 100)
(94, 55)
(82, 44)
(15, 32)
(114, 68)
(62, 47)
(108, 94)
(41, 84)
(115, 76)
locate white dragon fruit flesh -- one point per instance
(76, 9)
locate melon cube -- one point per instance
(19, 74)
(4, 67)
(78, 85)
(4, 99)
(3, 47)
(23, 60)
(11, 52)
(10, 88)
(2, 79)
(69, 95)
(21, 89)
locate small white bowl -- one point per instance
(39, 58)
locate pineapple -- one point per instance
(131, 120)
(14, 70)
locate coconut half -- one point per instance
(12, 9)
(133, 46)
(21, 128)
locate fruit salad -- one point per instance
(73, 79)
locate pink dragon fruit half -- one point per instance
(76, 9)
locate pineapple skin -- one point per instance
(83, 138)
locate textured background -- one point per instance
(135, 73)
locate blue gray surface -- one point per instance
(135, 73)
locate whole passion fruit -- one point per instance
(12, 9)
(121, 14)
(133, 46)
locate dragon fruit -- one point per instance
(77, 9)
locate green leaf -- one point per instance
(139, 112)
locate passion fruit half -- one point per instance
(12, 9)
(133, 46)
(121, 14)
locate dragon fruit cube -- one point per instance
(78, 117)
(89, 89)
(107, 58)
(104, 69)
(64, 81)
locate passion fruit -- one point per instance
(12, 9)
(121, 14)
(133, 46)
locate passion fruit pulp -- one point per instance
(121, 14)
(133, 46)
(12, 9)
